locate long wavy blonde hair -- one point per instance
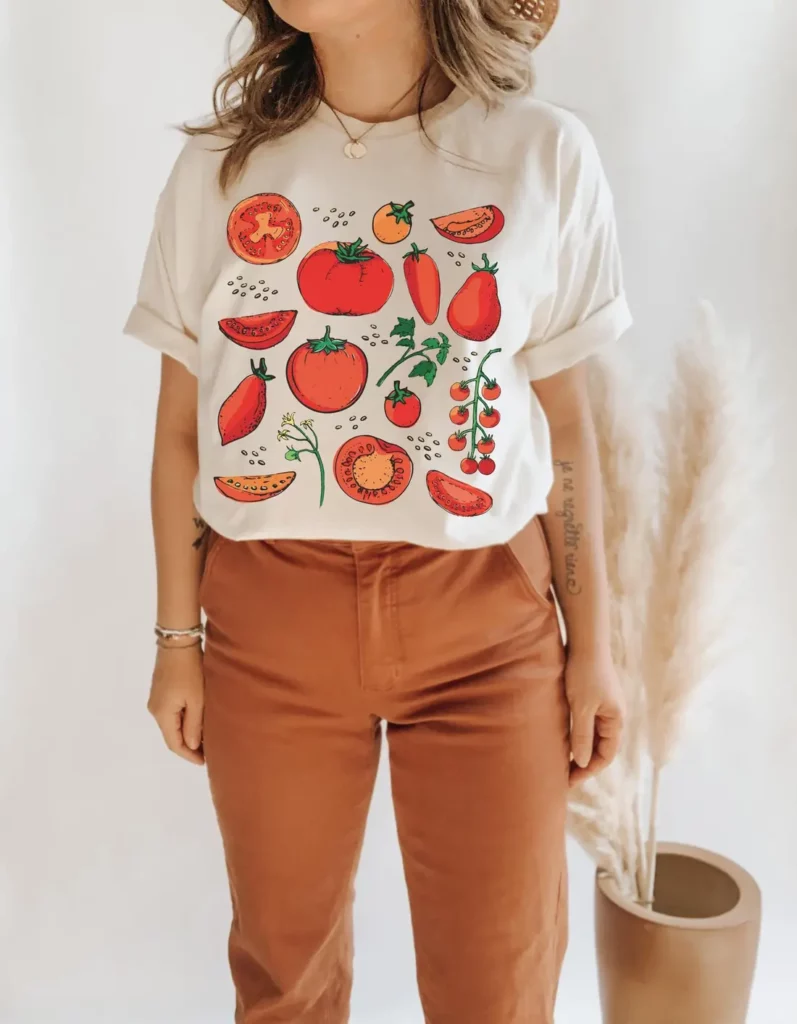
(481, 46)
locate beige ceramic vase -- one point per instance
(689, 960)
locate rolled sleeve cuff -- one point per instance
(567, 349)
(163, 336)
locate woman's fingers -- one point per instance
(582, 735)
(170, 724)
(192, 724)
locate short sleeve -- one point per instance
(164, 316)
(587, 308)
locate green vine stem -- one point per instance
(405, 330)
(305, 429)
(473, 403)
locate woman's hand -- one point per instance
(597, 710)
(177, 700)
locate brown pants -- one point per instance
(310, 645)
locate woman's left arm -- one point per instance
(574, 528)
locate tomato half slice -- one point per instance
(265, 228)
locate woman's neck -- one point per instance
(369, 67)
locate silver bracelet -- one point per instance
(175, 634)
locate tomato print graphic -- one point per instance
(243, 411)
(475, 311)
(423, 283)
(344, 279)
(480, 224)
(478, 414)
(261, 331)
(489, 417)
(254, 488)
(455, 496)
(265, 228)
(402, 406)
(372, 471)
(327, 374)
(393, 222)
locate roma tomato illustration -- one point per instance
(243, 411)
(486, 466)
(372, 471)
(489, 417)
(479, 224)
(458, 441)
(423, 283)
(468, 466)
(459, 415)
(344, 279)
(265, 228)
(491, 390)
(402, 407)
(475, 311)
(327, 374)
(460, 391)
(486, 445)
(393, 222)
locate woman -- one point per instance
(357, 270)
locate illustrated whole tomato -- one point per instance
(459, 415)
(402, 407)
(486, 466)
(460, 391)
(327, 374)
(468, 466)
(475, 311)
(491, 390)
(486, 445)
(393, 222)
(344, 279)
(489, 417)
(243, 411)
(457, 441)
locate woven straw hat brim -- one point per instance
(541, 12)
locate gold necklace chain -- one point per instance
(355, 148)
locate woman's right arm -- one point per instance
(177, 695)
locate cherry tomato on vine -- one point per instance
(486, 466)
(468, 466)
(491, 390)
(486, 445)
(460, 391)
(457, 441)
(489, 417)
(459, 415)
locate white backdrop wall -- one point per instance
(113, 904)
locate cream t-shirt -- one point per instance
(364, 331)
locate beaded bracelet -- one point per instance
(197, 632)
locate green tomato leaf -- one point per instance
(445, 348)
(431, 343)
(405, 328)
(406, 342)
(426, 369)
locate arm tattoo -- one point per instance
(573, 530)
(202, 529)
